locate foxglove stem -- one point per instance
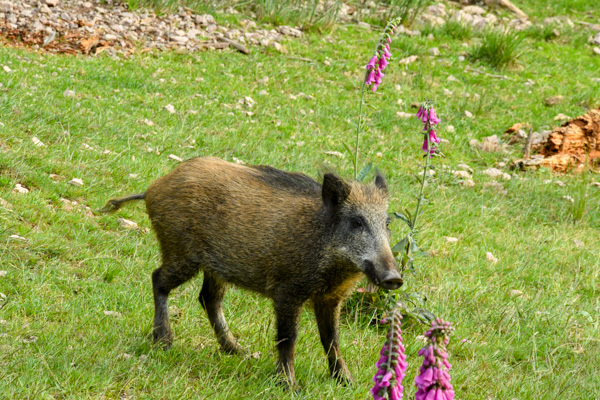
(373, 77)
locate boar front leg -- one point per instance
(327, 313)
(211, 298)
(287, 312)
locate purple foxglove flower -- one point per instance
(378, 76)
(433, 118)
(433, 381)
(433, 139)
(371, 77)
(421, 112)
(383, 62)
(372, 63)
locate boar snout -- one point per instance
(384, 273)
(392, 281)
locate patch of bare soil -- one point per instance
(573, 146)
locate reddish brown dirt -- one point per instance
(575, 145)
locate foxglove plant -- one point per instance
(433, 381)
(391, 367)
(373, 75)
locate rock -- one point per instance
(76, 182)
(596, 51)
(68, 93)
(595, 39)
(473, 10)
(447, 92)
(5, 6)
(516, 293)
(434, 51)
(408, 60)
(403, 114)
(561, 117)
(465, 167)
(174, 157)
(148, 122)
(490, 257)
(468, 183)
(334, 153)
(20, 189)
(450, 129)
(3, 274)
(37, 142)
(289, 31)
(364, 25)
(112, 313)
(6, 69)
(452, 78)
(17, 237)
(51, 3)
(492, 172)
(170, 108)
(468, 114)
(451, 239)
(438, 10)
(461, 174)
(568, 198)
(125, 223)
(554, 100)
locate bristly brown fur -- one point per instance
(280, 234)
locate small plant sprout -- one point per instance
(391, 367)
(433, 381)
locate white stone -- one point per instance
(6, 69)
(493, 172)
(408, 60)
(174, 157)
(37, 142)
(468, 114)
(170, 108)
(474, 10)
(490, 257)
(69, 93)
(334, 153)
(125, 223)
(462, 174)
(403, 114)
(20, 189)
(76, 182)
(451, 239)
(434, 51)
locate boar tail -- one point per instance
(114, 204)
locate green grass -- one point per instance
(498, 48)
(541, 342)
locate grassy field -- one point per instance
(527, 327)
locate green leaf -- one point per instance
(402, 217)
(350, 152)
(362, 174)
(400, 246)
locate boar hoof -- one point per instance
(232, 348)
(165, 341)
(344, 378)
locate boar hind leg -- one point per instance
(211, 298)
(327, 313)
(165, 279)
(287, 312)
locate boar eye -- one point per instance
(387, 222)
(357, 223)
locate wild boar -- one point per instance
(280, 234)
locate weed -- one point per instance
(498, 48)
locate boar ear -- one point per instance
(380, 181)
(335, 190)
